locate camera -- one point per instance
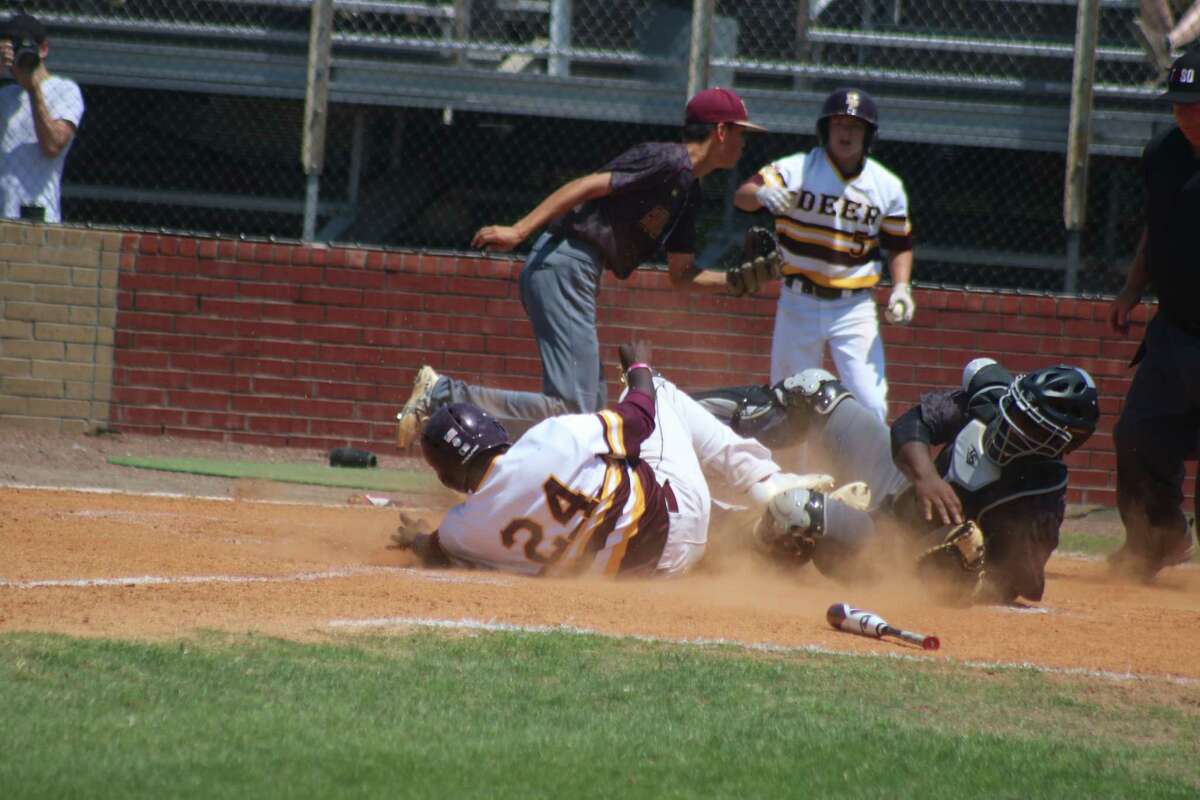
(26, 53)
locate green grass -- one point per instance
(502, 715)
(394, 480)
(1088, 544)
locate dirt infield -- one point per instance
(298, 562)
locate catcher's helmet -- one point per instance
(849, 103)
(1047, 413)
(455, 438)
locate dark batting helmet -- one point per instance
(456, 439)
(1047, 413)
(849, 103)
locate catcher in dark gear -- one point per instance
(1000, 468)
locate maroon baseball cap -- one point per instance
(720, 105)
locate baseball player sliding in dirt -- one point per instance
(835, 208)
(1001, 468)
(619, 491)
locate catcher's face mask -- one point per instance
(1020, 429)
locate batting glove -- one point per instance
(901, 306)
(776, 199)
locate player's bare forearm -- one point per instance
(745, 198)
(1131, 293)
(53, 134)
(637, 353)
(915, 460)
(684, 274)
(1139, 275)
(557, 203)
(900, 267)
(564, 198)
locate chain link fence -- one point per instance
(445, 116)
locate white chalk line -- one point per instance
(159, 580)
(184, 496)
(768, 647)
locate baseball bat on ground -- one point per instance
(855, 620)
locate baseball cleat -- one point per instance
(417, 409)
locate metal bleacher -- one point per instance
(950, 71)
(947, 87)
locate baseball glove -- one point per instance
(760, 263)
(953, 568)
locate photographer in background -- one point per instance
(39, 115)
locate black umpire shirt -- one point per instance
(1171, 171)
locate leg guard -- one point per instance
(815, 390)
(755, 412)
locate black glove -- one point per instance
(760, 263)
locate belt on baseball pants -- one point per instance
(817, 290)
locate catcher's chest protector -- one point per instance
(983, 485)
(969, 467)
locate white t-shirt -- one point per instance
(27, 177)
(834, 234)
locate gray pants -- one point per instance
(559, 284)
(859, 446)
(1159, 430)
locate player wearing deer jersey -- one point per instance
(621, 491)
(835, 210)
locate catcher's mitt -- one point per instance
(953, 568)
(760, 263)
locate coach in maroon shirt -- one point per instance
(644, 200)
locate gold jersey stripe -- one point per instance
(614, 432)
(635, 517)
(837, 242)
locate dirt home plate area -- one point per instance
(305, 563)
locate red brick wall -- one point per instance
(285, 344)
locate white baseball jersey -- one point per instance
(834, 233)
(565, 496)
(618, 491)
(27, 177)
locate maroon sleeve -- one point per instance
(637, 420)
(683, 237)
(896, 244)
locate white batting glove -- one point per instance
(901, 306)
(776, 199)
